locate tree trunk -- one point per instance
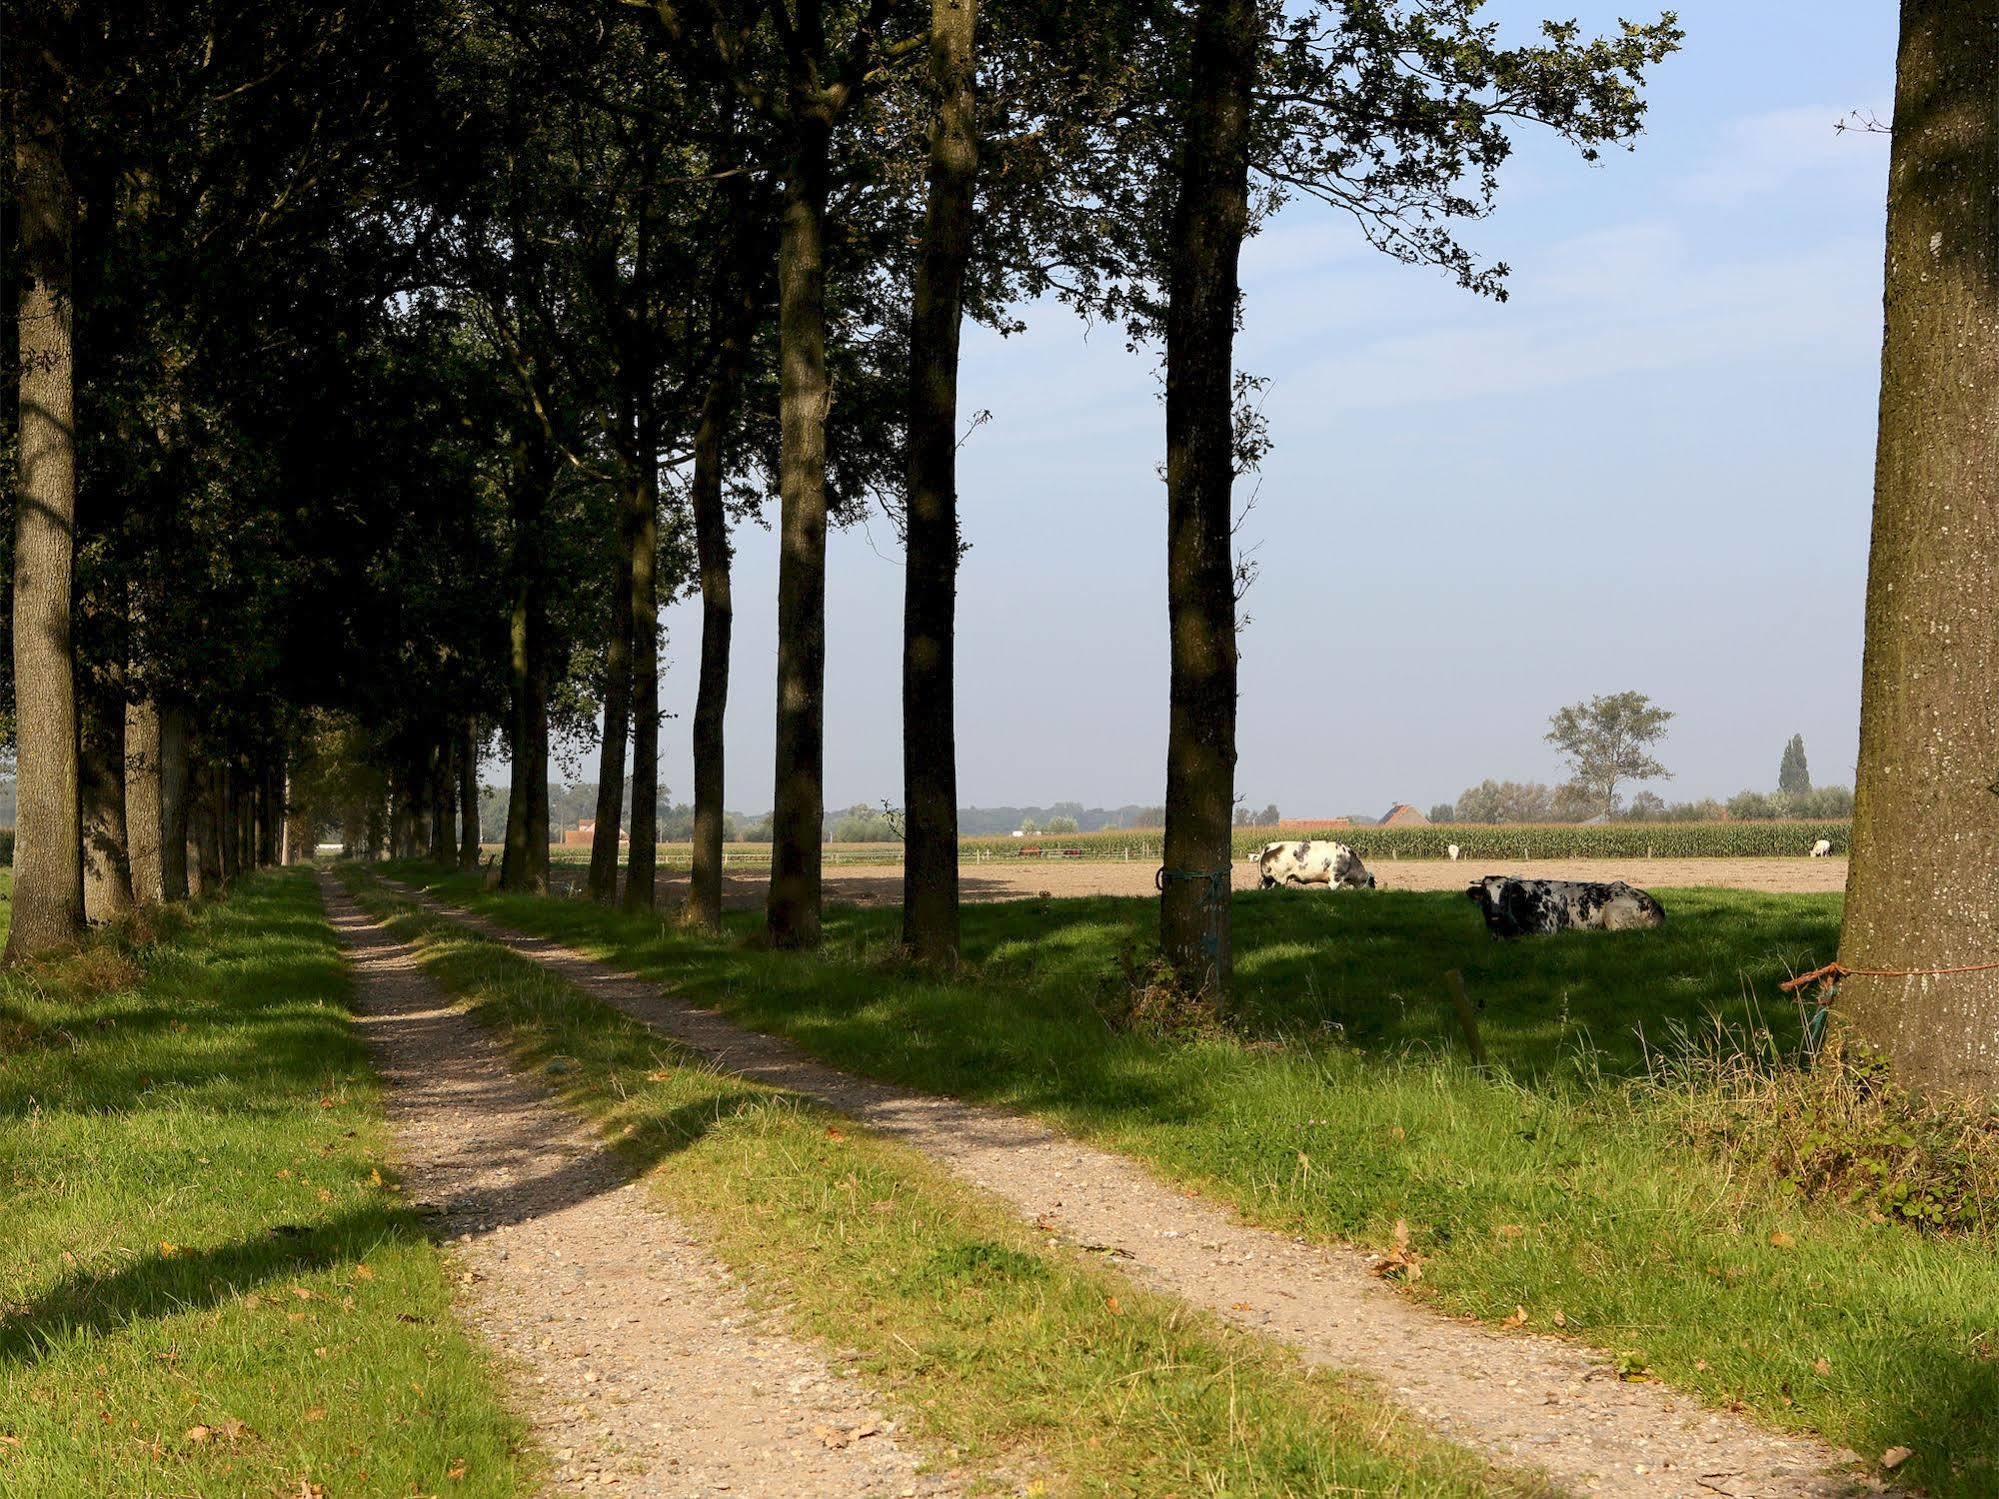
(930, 602)
(640, 864)
(145, 824)
(468, 797)
(1211, 214)
(439, 850)
(738, 294)
(174, 797)
(107, 866)
(804, 395)
(48, 834)
(225, 826)
(209, 819)
(603, 881)
(1921, 893)
(524, 864)
(271, 799)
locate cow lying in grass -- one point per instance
(1333, 865)
(1515, 908)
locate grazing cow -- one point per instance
(1822, 849)
(1515, 907)
(1333, 865)
(1452, 850)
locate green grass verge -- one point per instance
(1559, 1181)
(1031, 1364)
(206, 1286)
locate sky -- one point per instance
(1649, 469)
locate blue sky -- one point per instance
(1650, 469)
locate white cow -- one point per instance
(1452, 850)
(1333, 865)
(1822, 849)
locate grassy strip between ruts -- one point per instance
(206, 1285)
(1023, 1362)
(1565, 1181)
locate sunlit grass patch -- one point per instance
(207, 1283)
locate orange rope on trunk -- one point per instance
(1832, 973)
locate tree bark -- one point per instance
(929, 736)
(524, 864)
(1920, 892)
(602, 885)
(804, 397)
(468, 797)
(107, 867)
(271, 803)
(226, 826)
(640, 863)
(145, 823)
(48, 834)
(209, 819)
(439, 788)
(740, 273)
(1211, 214)
(174, 797)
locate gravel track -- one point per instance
(1520, 1398)
(633, 1353)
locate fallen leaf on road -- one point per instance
(1518, 1319)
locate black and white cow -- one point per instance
(1515, 907)
(1333, 865)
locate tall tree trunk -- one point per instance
(468, 797)
(1921, 893)
(439, 789)
(640, 864)
(301, 827)
(271, 809)
(804, 396)
(602, 885)
(930, 596)
(107, 866)
(1211, 214)
(145, 823)
(524, 864)
(174, 798)
(226, 819)
(48, 834)
(209, 821)
(740, 275)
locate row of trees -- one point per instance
(383, 367)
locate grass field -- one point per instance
(1639, 1208)
(207, 1285)
(1036, 1368)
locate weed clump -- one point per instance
(1832, 1125)
(1145, 997)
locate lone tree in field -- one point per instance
(1794, 777)
(1921, 893)
(1608, 741)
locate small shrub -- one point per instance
(1835, 1127)
(1145, 997)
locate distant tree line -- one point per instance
(1576, 801)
